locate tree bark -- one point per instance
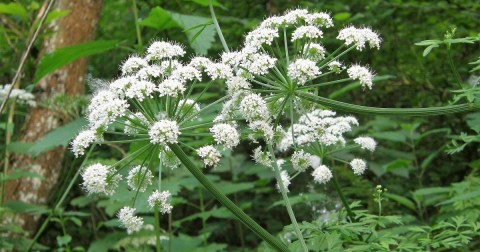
(78, 27)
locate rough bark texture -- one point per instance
(78, 27)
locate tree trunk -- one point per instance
(78, 27)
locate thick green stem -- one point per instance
(430, 111)
(244, 218)
(283, 191)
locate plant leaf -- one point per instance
(58, 137)
(61, 57)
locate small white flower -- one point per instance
(300, 160)
(104, 108)
(358, 166)
(160, 200)
(187, 73)
(322, 174)
(218, 71)
(232, 58)
(359, 37)
(82, 141)
(170, 87)
(128, 220)
(120, 85)
(164, 131)
(200, 63)
(236, 84)
(314, 51)
(259, 63)
(263, 127)
(362, 74)
(210, 155)
(261, 157)
(140, 90)
(253, 107)
(133, 64)
(273, 22)
(296, 15)
(149, 72)
(303, 70)
(260, 36)
(308, 31)
(335, 67)
(160, 49)
(319, 19)
(99, 178)
(285, 180)
(366, 143)
(139, 178)
(225, 134)
(21, 95)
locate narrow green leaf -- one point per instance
(404, 201)
(429, 49)
(19, 147)
(18, 174)
(15, 9)
(61, 57)
(58, 137)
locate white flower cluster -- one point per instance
(161, 200)
(300, 160)
(308, 31)
(210, 155)
(362, 74)
(303, 70)
(359, 37)
(104, 108)
(322, 174)
(254, 108)
(225, 134)
(366, 143)
(129, 220)
(358, 166)
(160, 49)
(139, 178)
(164, 131)
(82, 141)
(100, 179)
(319, 125)
(21, 95)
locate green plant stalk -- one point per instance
(343, 199)
(288, 205)
(429, 111)
(137, 25)
(217, 27)
(224, 200)
(157, 230)
(60, 202)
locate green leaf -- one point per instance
(342, 16)
(429, 49)
(473, 121)
(395, 136)
(159, 18)
(229, 188)
(55, 14)
(22, 207)
(15, 9)
(58, 137)
(462, 197)
(18, 174)
(201, 39)
(61, 57)
(19, 147)
(205, 3)
(401, 200)
(64, 240)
